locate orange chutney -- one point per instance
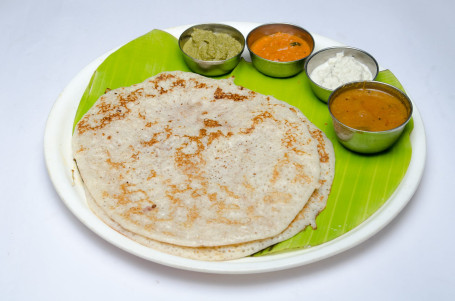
(281, 47)
(369, 110)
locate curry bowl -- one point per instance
(213, 66)
(369, 116)
(277, 68)
(341, 72)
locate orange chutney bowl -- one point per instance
(279, 49)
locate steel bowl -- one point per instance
(275, 68)
(212, 68)
(368, 141)
(325, 54)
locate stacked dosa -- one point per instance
(202, 168)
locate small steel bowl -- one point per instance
(212, 68)
(274, 68)
(322, 56)
(368, 141)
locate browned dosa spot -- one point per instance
(211, 123)
(220, 94)
(109, 112)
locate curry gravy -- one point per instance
(369, 109)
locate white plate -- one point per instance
(61, 168)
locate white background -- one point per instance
(47, 254)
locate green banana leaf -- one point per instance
(362, 183)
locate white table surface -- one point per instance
(47, 254)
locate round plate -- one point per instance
(62, 171)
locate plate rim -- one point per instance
(66, 182)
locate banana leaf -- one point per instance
(362, 183)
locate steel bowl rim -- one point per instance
(411, 110)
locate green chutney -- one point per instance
(207, 45)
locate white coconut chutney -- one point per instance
(340, 70)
